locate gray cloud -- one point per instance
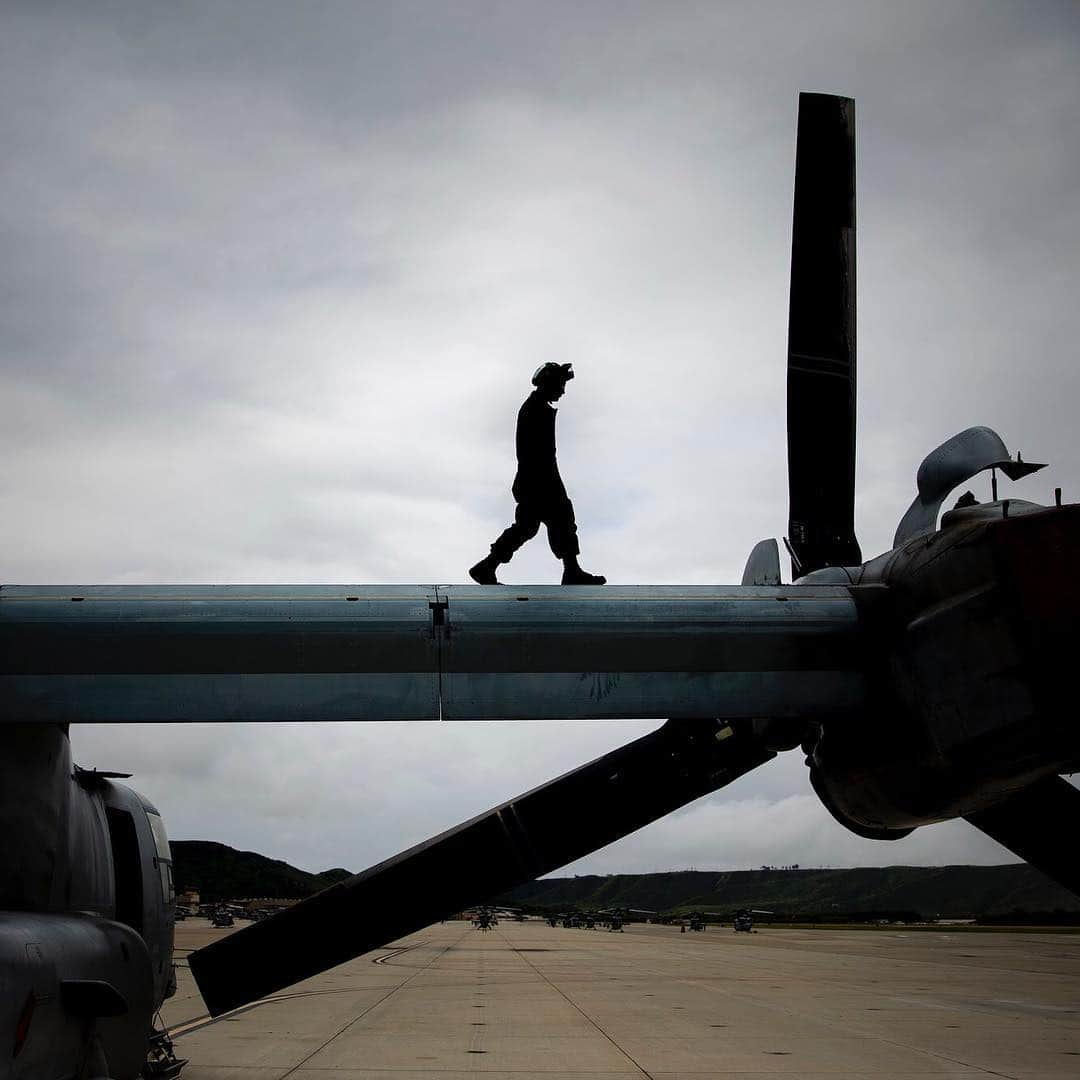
(273, 281)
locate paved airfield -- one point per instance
(528, 1002)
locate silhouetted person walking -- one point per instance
(538, 488)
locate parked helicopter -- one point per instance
(484, 919)
(614, 918)
(743, 920)
(922, 685)
(697, 920)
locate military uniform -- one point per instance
(538, 488)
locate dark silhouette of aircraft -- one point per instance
(743, 920)
(86, 916)
(485, 919)
(931, 682)
(615, 918)
(697, 920)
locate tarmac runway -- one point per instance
(525, 1001)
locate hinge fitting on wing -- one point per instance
(439, 610)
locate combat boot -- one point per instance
(574, 575)
(483, 573)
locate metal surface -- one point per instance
(85, 880)
(970, 642)
(960, 458)
(511, 844)
(217, 652)
(37, 822)
(821, 338)
(648, 652)
(43, 960)
(763, 564)
(1034, 822)
(171, 653)
(168, 653)
(151, 907)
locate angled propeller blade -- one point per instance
(821, 339)
(531, 835)
(1039, 824)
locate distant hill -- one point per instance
(220, 872)
(932, 892)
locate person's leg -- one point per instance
(558, 516)
(525, 527)
(563, 538)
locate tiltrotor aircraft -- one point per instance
(929, 683)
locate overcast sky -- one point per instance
(274, 278)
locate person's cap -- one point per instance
(555, 372)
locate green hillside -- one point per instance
(220, 872)
(933, 892)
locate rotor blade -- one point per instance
(1039, 824)
(532, 835)
(821, 339)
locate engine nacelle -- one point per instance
(75, 992)
(966, 691)
(86, 912)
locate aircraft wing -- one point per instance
(175, 653)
